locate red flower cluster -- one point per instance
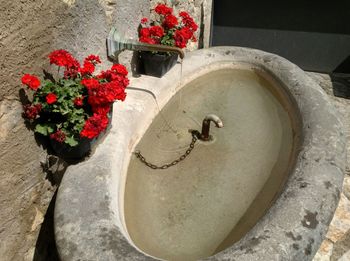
(163, 9)
(102, 92)
(106, 93)
(78, 101)
(31, 81)
(170, 21)
(32, 111)
(119, 69)
(118, 73)
(151, 35)
(101, 109)
(51, 98)
(89, 65)
(64, 59)
(145, 36)
(182, 36)
(94, 126)
(58, 136)
(71, 65)
(93, 59)
(188, 21)
(77, 111)
(144, 20)
(90, 83)
(87, 69)
(171, 32)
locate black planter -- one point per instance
(157, 64)
(84, 146)
(79, 151)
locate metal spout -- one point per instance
(204, 136)
(115, 45)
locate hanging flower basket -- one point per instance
(75, 108)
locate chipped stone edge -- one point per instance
(89, 221)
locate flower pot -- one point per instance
(84, 146)
(157, 64)
(79, 151)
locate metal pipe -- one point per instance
(116, 44)
(204, 136)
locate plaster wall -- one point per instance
(30, 30)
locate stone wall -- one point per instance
(30, 31)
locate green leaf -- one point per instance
(71, 141)
(69, 83)
(41, 129)
(50, 129)
(44, 129)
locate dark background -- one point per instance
(313, 34)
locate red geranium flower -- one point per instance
(188, 21)
(70, 73)
(170, 21)
(148, 40)
(182, 36)
(144, 32)
(51, 98)
(163, 9)
(78, 101)
(87, 69)
(71, 99)
(120, 69)
(173, 31)
(101, 109)
(63, 58)
(156, 31)
(90, 83)
(58, 136)
(145, 36)
(31, 111)
(144, 20)
(116, 75)
(106, 93)
(94, 126)
(31, 81)
(93, 59)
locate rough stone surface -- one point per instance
(88, 214)
(30, 30)
(336, 246)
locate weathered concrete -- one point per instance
(30, 31)
(337, 242)
(89, 207)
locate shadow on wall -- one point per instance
(45, 248)
(340, 78)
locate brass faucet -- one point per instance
(115, 45)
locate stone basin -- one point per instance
(265, 188)
(212, 198)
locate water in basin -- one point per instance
(216, 195)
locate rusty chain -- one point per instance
(173, 163)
